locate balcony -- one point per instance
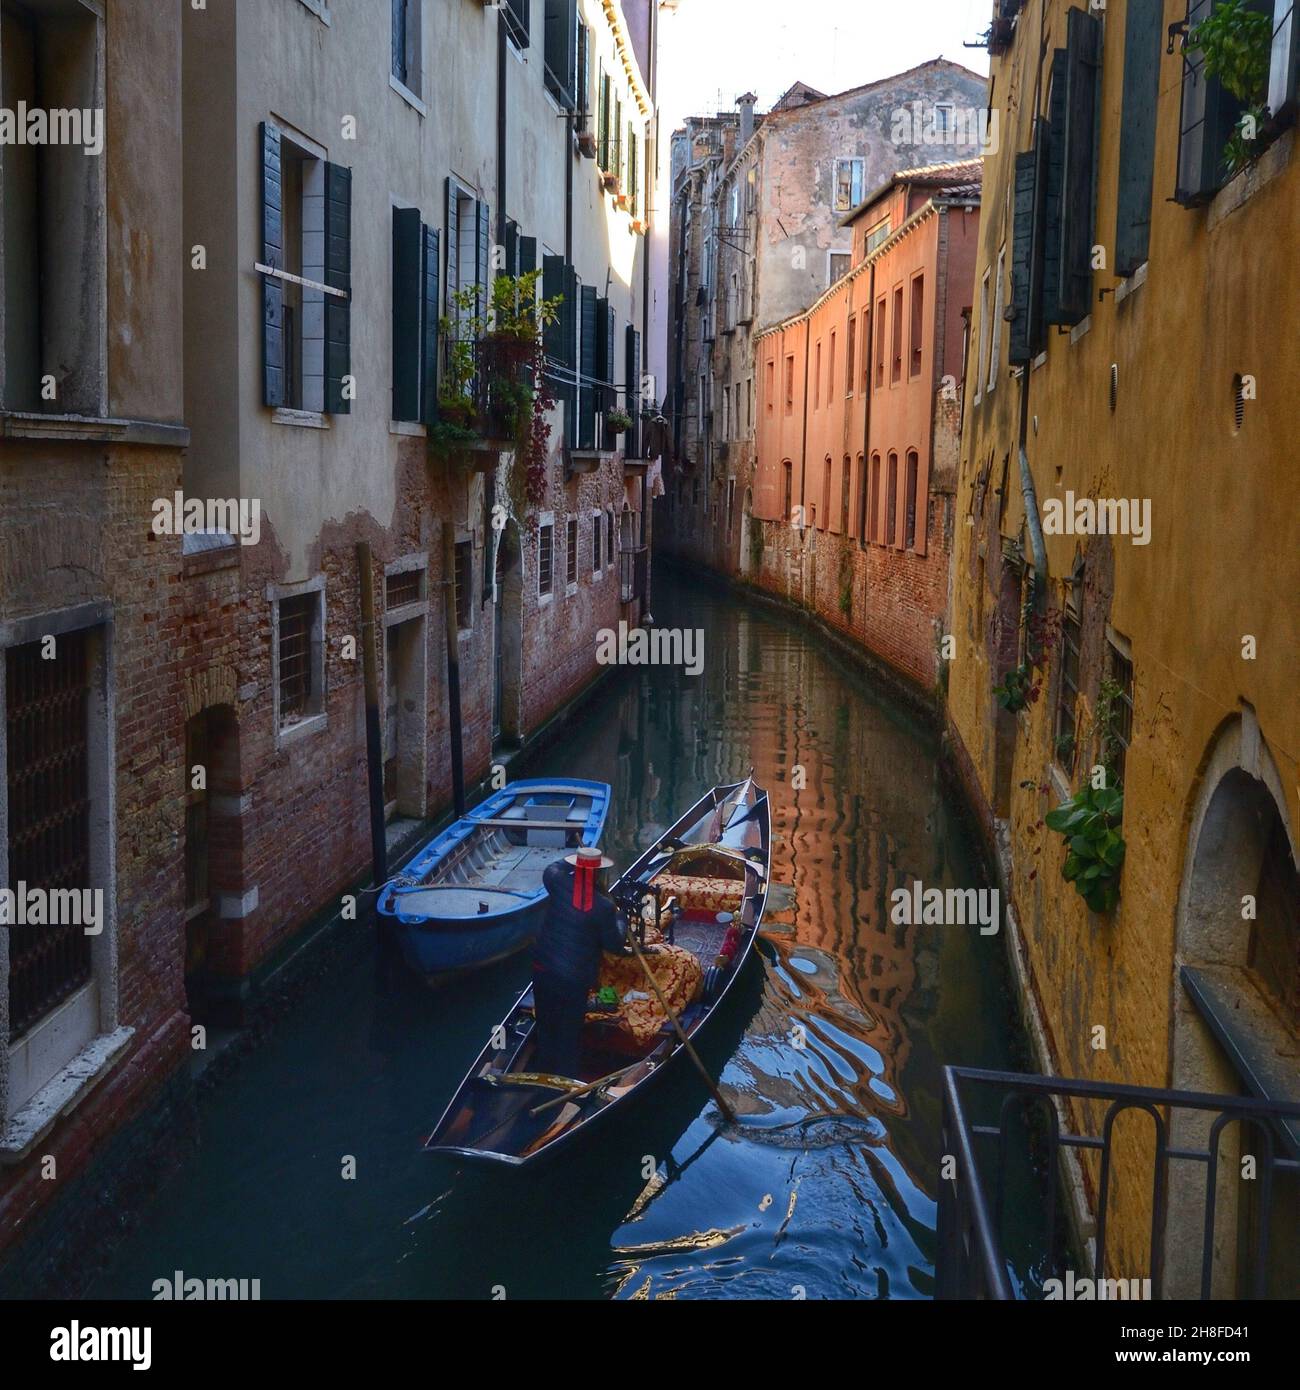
(485, 397)
(987, 1120)
(633, 563)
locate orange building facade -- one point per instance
(859, 424)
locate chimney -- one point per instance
(746, 104)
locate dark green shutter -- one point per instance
(272, 255)
(1078, 191)
(553, 285)
(338, 275)
(1143, 35)
(569, 318)
(603, 157)
(408, 246)
(604, 369)
(586, 389)
(512, 249)
(632, 439)
(516, 16)
(527, 254)
(432, 309)
(1026, 308)
(1055, 182)
(561, 34)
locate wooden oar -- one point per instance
(583, 1090)
(727, 1111)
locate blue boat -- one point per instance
(474, 894)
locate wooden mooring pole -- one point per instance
(453, 666)
(374, 740)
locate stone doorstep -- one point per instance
(61, 1095)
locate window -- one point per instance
(880, 343)
(850, 351)
(788, 511)
(769, 386)
(848, 183)
(517, 21)
(583, 79)
(891, 507)
(1067, 691)
(840, 264)
(300, 656)
(817, 378)
(830, 372)
(896, 361)
(403, 587)
(909, 502)
(943, 125)
(1121, 728)
(866, 350)
(875, 235)
(1143, 36)
(52, 270)
(873, 500)
(731, 503)
(595, 545)
(464, 584)
(406, 44)
(609, 537)
(468, 251)
(48, 818)
(983, 363)
(546, 558)
(995, 326)
(561, 51)
(726, 412)
(846, 479)
(918, 324)
(571, 553)
(789, 385)
(749, 406)
(826, 493)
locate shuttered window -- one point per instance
(561, 50)
(517, 21)
(586, 387)
(338, 276)
(632, 440)
(1143, 36)
(408, 255)
(431, 311)
(1078, 187)
(273, 375)
(1055, 183)
(1026, 333)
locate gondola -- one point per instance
(705, 884)
(474, 894)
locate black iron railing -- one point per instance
(632, 566)
(972, 1199)
(488, 385)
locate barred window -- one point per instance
(1121, 673)
(571, 552)
(47, 734)
(595, 544)
(402, 588)
(1067, 694)
(299, 683)
(545, 558)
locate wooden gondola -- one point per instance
(707, 879)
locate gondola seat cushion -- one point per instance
(702, 894)
(677, 972)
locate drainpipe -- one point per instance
(502, 72)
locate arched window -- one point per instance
(909, 502)
(891, 506)
(845, 482)
(872, 506)
(826, 492)
(788, 504)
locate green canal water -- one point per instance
(830, 1047)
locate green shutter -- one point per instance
(408, 247)
(1078, 192)
(431, 311)
(561, 48)
(453, 243)
(527, 254)
(632, 439)
(586, 390)
(553, 285)
(1055, 182)
(482, 255)
(272, 255)
(1020, 340)
(338, 275)
(603, 157)
(1143, 35)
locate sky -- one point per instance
(710, 51)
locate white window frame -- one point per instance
(412, 89)
(572, 535)
(545, 521)
(983, 360)
(995, 333)
(857, 176)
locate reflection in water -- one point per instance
(829, 1050)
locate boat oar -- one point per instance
(728, 1113)
(583, 1090)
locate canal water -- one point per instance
(830, 1047)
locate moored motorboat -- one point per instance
(474, 894)
(705, 884)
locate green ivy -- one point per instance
(1089, 822)
(1017, 689)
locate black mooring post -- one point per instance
(453, 668)
(374, 742)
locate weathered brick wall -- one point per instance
(75, 528)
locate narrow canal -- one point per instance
(830, 1048)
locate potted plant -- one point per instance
(617, 421)
(1235, 42)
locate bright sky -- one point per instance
(710, 51)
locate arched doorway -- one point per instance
(1238, 940)
(508, 636)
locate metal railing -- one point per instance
(499, 389)
(632, 566)
(972, 1200)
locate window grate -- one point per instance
(571, 552)
(1121, 672)
(545, 559)
(1068, 693)
(296, 617)
(402, 588)
(49, 818)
